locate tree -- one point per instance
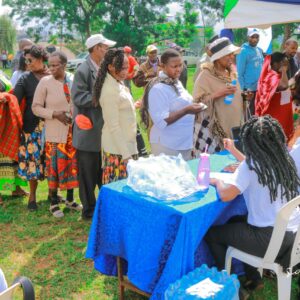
(131, 22)
(7, 34)
(76, 13)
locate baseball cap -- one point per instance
(252, 31)
(127, 49)
(151, 48)
(99, 38)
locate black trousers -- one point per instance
(247, 238)
(90, 175)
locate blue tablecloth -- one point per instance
(160, 241)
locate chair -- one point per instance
(25, 284)
(268, 261)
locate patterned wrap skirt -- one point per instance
(31, 155)
(61, 164)
(113, 167)
(9, 179)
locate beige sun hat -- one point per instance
(222, 47)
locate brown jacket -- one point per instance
(209, 82)
(49, 96)
(145, 73)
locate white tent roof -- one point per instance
(253, 13)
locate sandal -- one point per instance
(19, 193)
(56, 212)
(59, 198)
(73, 205)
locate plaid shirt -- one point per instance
(10, 126)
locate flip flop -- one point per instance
(21, 193)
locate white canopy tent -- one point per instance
(260, 13)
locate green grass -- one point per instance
(51, 252)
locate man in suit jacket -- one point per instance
(88, 141)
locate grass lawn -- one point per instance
(51, 252)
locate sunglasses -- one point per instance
(28, 61)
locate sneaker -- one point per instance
(32, 206)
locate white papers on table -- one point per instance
(205, 288)
(226, 177)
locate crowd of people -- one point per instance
(81, 130)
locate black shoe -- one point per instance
(243, 294)
(254, 285)
(88, 215)
(32, 206)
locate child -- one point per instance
(267, 178)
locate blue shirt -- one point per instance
(249, 65)
(162, 101)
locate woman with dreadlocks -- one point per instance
(169, 106)
(268, 179)
(119, 130)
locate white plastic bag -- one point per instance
(163, 177)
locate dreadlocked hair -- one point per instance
(113, 57)
(264, 145)
(144, 110)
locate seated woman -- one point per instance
(119, 131)
(268, 179)
(273, 96)
(169, 106)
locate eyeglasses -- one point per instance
(28, 61)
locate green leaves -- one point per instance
(7, 34)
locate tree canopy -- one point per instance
(7, 34)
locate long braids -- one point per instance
(113, 57)
(264, 145)
(144, 110)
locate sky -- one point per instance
(3, 9)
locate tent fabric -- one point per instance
(260, 13)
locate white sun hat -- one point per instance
(222, 47)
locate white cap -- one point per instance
(96, 39)
(252, 31)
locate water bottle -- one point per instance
(203, 171)
(228, 99)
